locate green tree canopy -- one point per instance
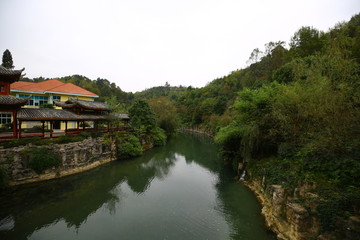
(142, 118)
(7, 60)
(166, 113)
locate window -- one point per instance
(35, 100)
(5, 117)
(56, 98)
(2, 88)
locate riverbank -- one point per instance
(289, 220)
(74, 158)
(300, 210)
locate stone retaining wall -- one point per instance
(75, 157)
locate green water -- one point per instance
(180, 191)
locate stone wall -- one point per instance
(290, 220)
(286, 215)
(75, 157)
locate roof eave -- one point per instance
(61, 93)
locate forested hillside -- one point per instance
(293, 117)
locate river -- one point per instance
(179, 191)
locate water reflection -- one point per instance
(157, 186)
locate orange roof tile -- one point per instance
(19, 84)
(72, 88)
(52, 85)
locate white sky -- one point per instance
(139, 44)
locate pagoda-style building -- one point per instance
(73, 110)
(10, 105)
(84, 115)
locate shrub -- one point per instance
(159, 137)
(42, 158)
(20, 142)
(128, 147)
(91, 134)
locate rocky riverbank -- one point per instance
(294, 219)
(75, 157)
(289, 220)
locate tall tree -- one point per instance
(307, 41)
(7, 60)
(166, 113)
(142, 118)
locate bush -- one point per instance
(42, 158)
(128, 147)
(91, 134)
(159, 137)
(20, 142)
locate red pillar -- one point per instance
(15, 123)
(19, 129)
(43, 128)
(51, 128)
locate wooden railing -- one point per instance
(58, 133)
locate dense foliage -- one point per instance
(166, 113)
(41, 158)
(142, 118)
(299, 123)
(128, 147)
(7, 61)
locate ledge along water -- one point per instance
(179, 191)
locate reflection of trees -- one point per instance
(74, 198)
(235, 201)
(199, 148)
(71, 199)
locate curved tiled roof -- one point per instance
(50, 86)
(83, 104)
(90, 104)
(10, 75)
(11, 100)
(63, 104)
(6, 71)
(36, 114)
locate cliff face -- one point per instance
(292, 219)
(289, 220)
(75, 157)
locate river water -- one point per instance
(179, 191)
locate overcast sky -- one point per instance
(139, 44)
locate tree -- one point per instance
(7, 60)
(166, 113)
(142, 118)
(307, 41)
(255, 56)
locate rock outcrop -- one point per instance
(290, 220)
